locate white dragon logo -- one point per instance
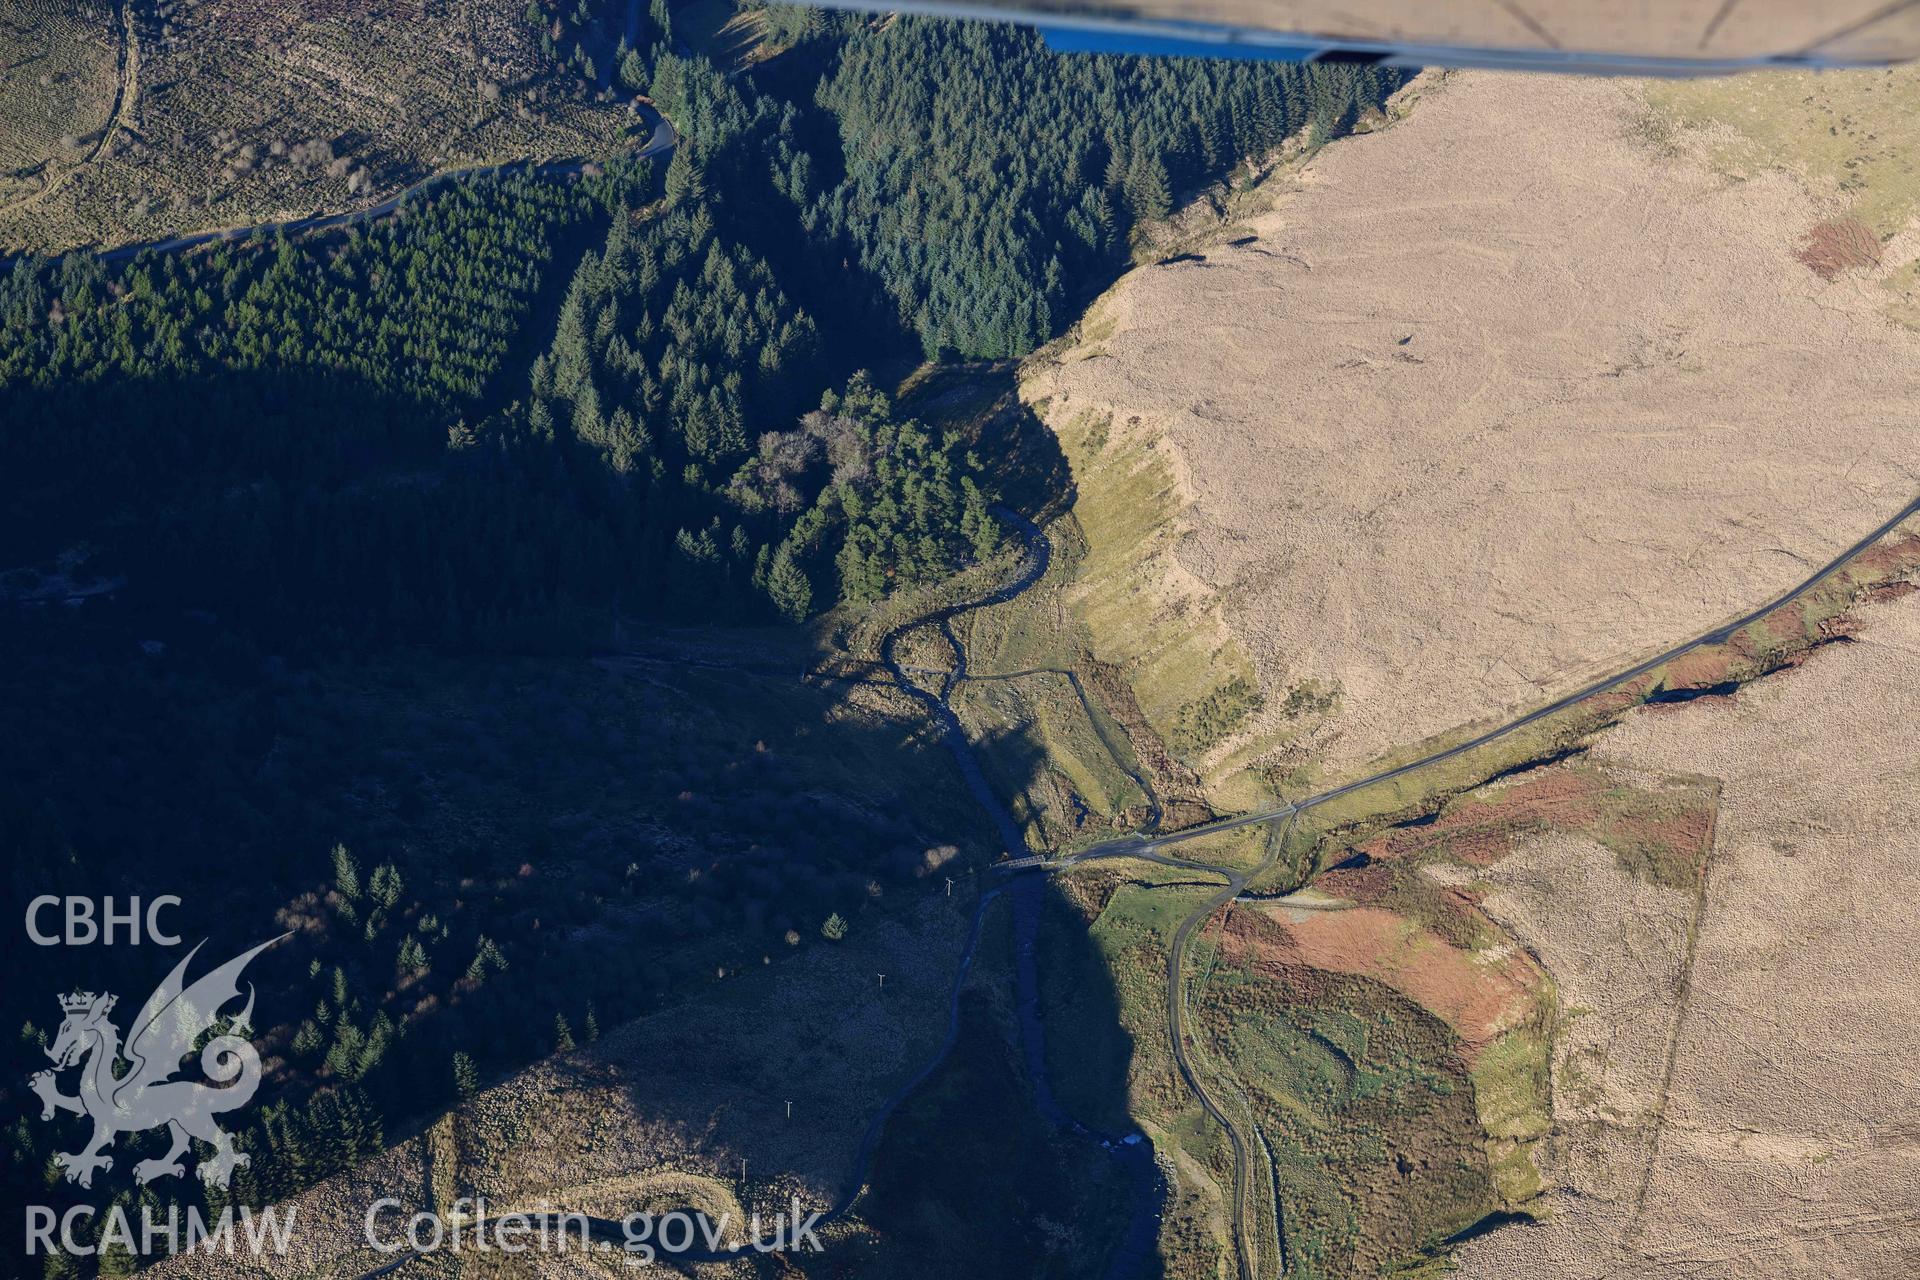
(169, 1024)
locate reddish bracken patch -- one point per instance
(1482, 832)
(1786, 624)
(1479, 995)
(1899, 589)
(1838, 245)
(1606, 705)
(1701, 668)
(1887, 559)
(1360, 884)
(1453, 912)
(1688, 831)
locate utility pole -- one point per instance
(789, 1110)
(883, 982)
(949, 886)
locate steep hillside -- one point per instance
(1528, 382)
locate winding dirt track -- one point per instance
(660, 140)
(126, 91)
(1176, 1031)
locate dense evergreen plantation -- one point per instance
(691, 341)
(902, 507)
(283, 360)
(424, 305)
(987, 179)
(672, 336)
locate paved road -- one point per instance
(1149, 847)
(1134, 846)
(1131, 1153)
(1235, 882)
(660, 140)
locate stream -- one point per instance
(1133, 1153)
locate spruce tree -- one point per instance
(1152, 197)
(787, 586)
(466, 1080)
(346, 873)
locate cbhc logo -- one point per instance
(85, 926)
